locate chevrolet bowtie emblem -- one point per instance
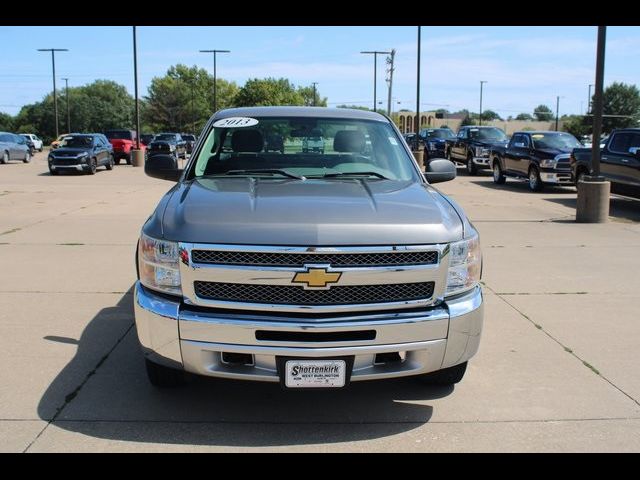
(316, 277)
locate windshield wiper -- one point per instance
(340, 174)
(279, 171)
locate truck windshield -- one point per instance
(164, 137)
(439, 133)
(491, 134)
(77, 142)
(370, 149)
(118, 134)
(561, 141)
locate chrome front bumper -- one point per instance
(481, 161)
(558, 178)
(176, 335)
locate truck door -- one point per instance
(617, 163)
(516, 157)
(459, 150)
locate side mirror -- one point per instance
(164, 167)
(635, 151)
(440, 170)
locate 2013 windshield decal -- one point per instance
(235, 122)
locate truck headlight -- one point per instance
(158, 265)
(482, 152)
(465, 265)
(548, 163)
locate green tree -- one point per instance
(360, 107)
(576, 125)
(268, 91)
(490, 115)
(96, 107)
(6, 122)
(467, 121)
(524, 116)
(542, 113)
(182, 100)
(620, 99)
(307, 95)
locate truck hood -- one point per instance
(552, 152)
(314, 212)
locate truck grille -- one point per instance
(294, 295)
(219, 257)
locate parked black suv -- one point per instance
(167, 143)
(81, 153)
(540, 157)
(435, 142)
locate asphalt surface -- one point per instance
(556, 370)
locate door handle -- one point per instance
(624, 160)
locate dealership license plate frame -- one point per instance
(284, 364)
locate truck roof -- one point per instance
(313, 112)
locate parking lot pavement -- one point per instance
(555, 370)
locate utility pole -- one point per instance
(390, 70)
(135, 82)
(482, 82)
(66, 81)
(417, 122)
(594, 190)
(53, 63)
(215, 77)
(375, 54)
(557, 110)
(314, 93)
(589, 99)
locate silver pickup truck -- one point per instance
(312, 270)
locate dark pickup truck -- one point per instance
(619, 161)
(540, 157)
(472, 146)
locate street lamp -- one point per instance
(375, 54)
(482, 82)
(215, 86)
(557, 110)
(66, 89)
(589, 99)
(314, 93)
(53, 63)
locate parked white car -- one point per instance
(37, 142)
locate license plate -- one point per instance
(315, 373)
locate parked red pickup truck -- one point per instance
(123, 141)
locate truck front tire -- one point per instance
(164, 377)
(472, 169)
(498, 176)
(446, 376)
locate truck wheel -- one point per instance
(446, 376)
(535, 184)
(53, 172)
(129, 159)
(498, 176)
(472, 168)
(164, 377)
(109, 164)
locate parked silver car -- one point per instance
(14, 147)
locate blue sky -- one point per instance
(524, 66)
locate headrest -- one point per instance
(247, 140)
(349, 141)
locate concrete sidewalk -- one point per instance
(555, 372)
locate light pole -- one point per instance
(53, 63)
(417, 122)
(589, 99)
(314, 93)
(135, 81)
(375, 54)
(557, 110)
(215, 86)
(66, 89)
(482, 82)
(593, 190)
